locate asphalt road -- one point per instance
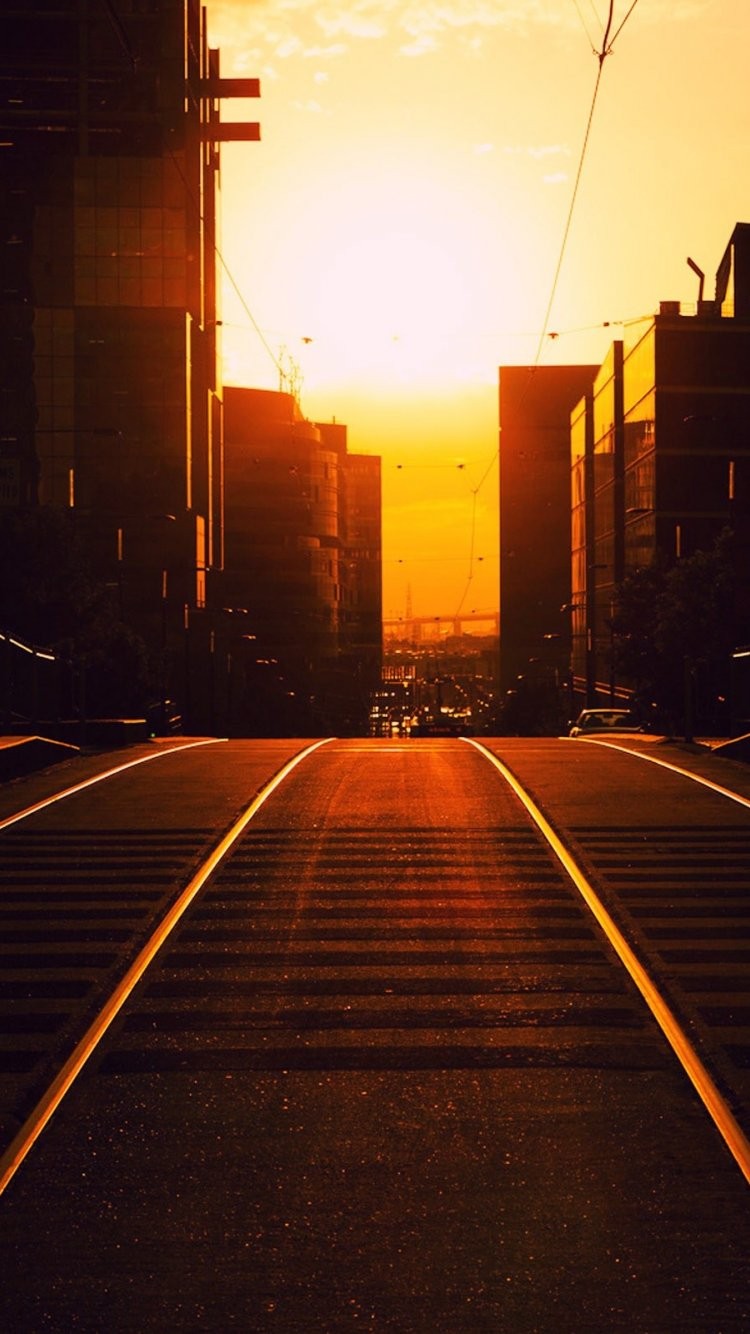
(388, 1074)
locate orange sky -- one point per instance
(406, 207)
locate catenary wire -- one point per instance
(601, 55)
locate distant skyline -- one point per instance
(395, 234)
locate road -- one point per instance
(387, 1071)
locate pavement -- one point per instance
(719, 760)
(20, 755)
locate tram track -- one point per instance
(166, 919)
(73, 906)
(352, 949)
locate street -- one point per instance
(387, 1071)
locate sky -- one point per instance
(427, 204)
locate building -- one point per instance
(596, 530)
(660, 458)
(361, 617)
(303, 562)
(535, 542)
(439, 676)
(110, 400)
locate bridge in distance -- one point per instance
(429, 1035)
(419, 628)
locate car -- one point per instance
(591, 721)
(163, 718)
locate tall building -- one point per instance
(596, 530)
(361, 639)
(110, 400)
(535, 407)
(303, 565)
(660, 456)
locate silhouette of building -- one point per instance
(361, 619)
(660, 457)
(303, 559)
(110, 402)
(535, 543)
(597, 528)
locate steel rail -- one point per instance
(715, 1104)
(665, 764)
(35, 1123)
(99, 778)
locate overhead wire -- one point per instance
(622, 25)
(276, 360)
(601, 55)
(254, 323)
(584, 24)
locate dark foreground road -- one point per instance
(388, 1074)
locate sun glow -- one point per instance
(385, 279)
(391, 301)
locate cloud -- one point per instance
(440, 15)
(284, 21)
(424, 45)
(555, 178)
(353, 22)
(288, 46)
(311, 106)
(329, 52)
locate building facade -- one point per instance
(110, 399)
(597, 548)
(535, 524)
(361, 617)
(660, 460)
(303, 527)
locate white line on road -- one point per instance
(34, 1125)
(665, 764)
(694, 1068)
(99, 778)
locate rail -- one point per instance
(649, 987)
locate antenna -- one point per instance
(701, 277)
(290, 375)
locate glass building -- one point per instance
(535, 518)
(110, 399)
(597, 553)
(660, 458)
(303, 525)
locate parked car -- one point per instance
(163, 718)
(590, 721)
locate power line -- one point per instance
(622, 25)
(475, 493)
(569, 219)
(276, 361)
(601, 55)
(585, 25)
